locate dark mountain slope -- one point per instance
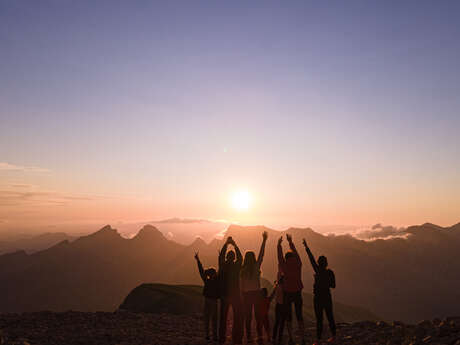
(188, 299)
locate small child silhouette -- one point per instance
(211, 295)
(264, 307)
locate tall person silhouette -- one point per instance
(322, 300)
(250, 287)
(291, 267)
(229, 275)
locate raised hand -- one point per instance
(265, 235)
(280, 240)
(305, 243)
(230, 240)
(289, 238)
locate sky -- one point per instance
(324, 113)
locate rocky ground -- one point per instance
(125, 328)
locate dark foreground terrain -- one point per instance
(123, 328)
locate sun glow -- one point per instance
(241, 200)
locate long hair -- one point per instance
(249, 268)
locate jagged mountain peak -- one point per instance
(106, 233)
(148, 231)
(199, 242)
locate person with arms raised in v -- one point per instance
(250, 288)
(322, 300)
(291, 268)
(229, 275)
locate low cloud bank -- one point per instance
(5, 166)
(380, 232)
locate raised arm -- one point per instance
(222, 253)
(239, 257)
(200, 267)
(280, 251)
(292, 246)
(311, 257)
(262, 248)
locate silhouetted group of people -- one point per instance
(236, 284)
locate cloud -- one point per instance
(22, 185)
(181, 221)
(379, 231)
(26, 198)
(4, 166)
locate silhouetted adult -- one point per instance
(250, 287)
(291, 267)
(229, 274)
(322, 300)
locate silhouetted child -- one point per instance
(324, 281)
(211, 295)
(281, 313)
(264, 307)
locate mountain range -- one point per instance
(408, 277)
(31, 244)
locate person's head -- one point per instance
(264, 292)
(249, 258)
(211, 273)
(322, 262)
(288, 255)
(230, 256)
(250, 268)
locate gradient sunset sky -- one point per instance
(326, 112)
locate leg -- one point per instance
(283, 321)
(247, 306)
(330, 315)
(319, 316)
(298, 303)
(238, 319)
(206, 316)
(259, 316)
(266, 323)
(214, 319)
(277, 321)
(224, 306)
(288, 316)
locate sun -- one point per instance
(241, 200)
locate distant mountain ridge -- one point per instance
(408, 278)
(33, 244)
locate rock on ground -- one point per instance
(126, 328)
